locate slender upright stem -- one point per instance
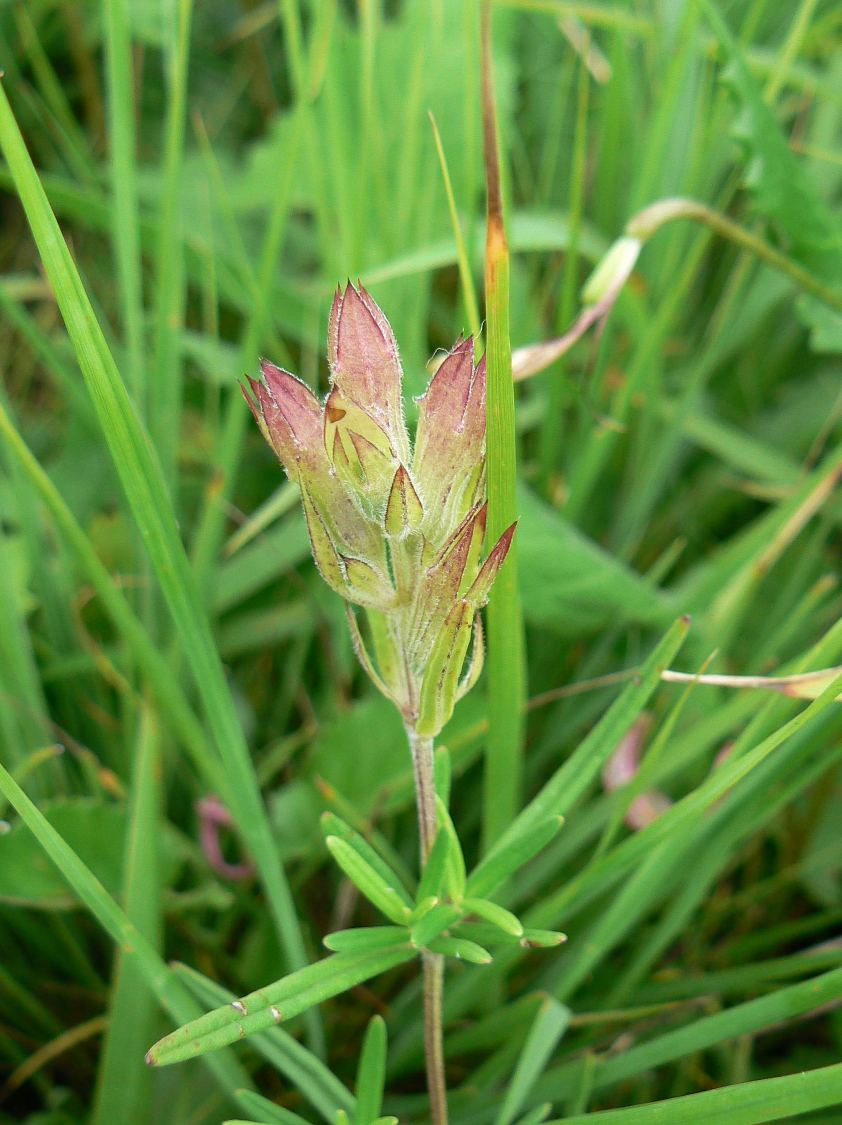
(433, 963)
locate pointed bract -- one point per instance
(324, 552)
(477, 595)
(291, 402)
(360, 452)
(404, 510)
(441, 676)
(367, 585)
(364, 363)
(450, 441)
(443, 580)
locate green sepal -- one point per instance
(497, 915)
(363, 655)
(365, 937)
(370, 882)
(385, 650)
(502, 862)
(366, 585)
(360, 452)
(441, 675)
(462, 950)
(477, 663)
(333, 825)
(325, 555)
(434, 923)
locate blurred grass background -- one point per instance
(217, 171)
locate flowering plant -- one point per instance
(396, 530)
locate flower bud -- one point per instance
(396, 532)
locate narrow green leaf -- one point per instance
(271, 1114)
(169, 991)
(571, 780)
(333, 825)
(486, 934)
(462, 950)
(507, 859)
(164, 377)
(550, 1023)
(281, 1050)
(156, 668)
(748, 1103)
(433, 875)
(371, 1073)
(276, 1002)
(146, 491)
(443, 773)
(455, 865)
(125, 227)
(123, 1088)
(496, 915)
(365, 937)
(703, 1033)
(466, 280)
(536, 1116)
(434, 923)
(293, 1119)
(376, 889)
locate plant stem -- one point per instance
(652, 218)
(433, 963)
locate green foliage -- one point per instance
(183, 188)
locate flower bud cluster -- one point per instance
(396, 530)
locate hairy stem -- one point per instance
(433, 963)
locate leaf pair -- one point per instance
(440, 917)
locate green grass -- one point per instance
(182, 188)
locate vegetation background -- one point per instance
(217, 170)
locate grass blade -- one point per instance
(123, 1087)
(371, 1073)
(140, 475)
(747, 1103)
(506, 656)
(170, 993)
(549, 1025)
